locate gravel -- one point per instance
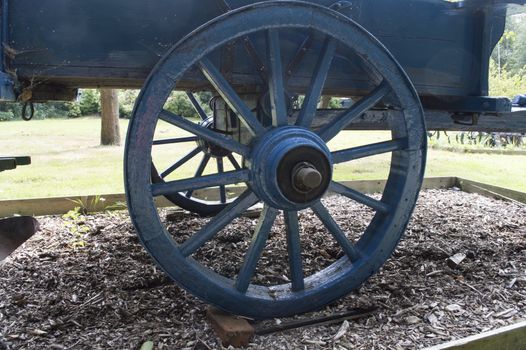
(84, 282)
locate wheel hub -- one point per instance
(207, 147)
(291, 168)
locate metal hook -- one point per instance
(31, 111)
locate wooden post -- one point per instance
(110, 132)
(325, 102)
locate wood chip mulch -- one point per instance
(86, 283)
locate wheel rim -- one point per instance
(393, 211)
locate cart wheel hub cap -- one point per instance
(291, 168)
(306, 177)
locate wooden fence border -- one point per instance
(491, 191)
(61, 205)
(507, 338)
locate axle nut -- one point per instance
(307, 177)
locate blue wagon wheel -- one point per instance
(208, 154)
(288, 165)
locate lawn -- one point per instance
(67, 160)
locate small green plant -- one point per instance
(75, 223)
(116, 206)
(90, 205)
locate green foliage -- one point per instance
(89, 101)
(179, 104)
(335, 103)
(504, 83)
(90, 205)
(13, 111)
(10, 111)
(436, 136)
(6, 116)
(511, 49)
(75, 223)
(465, 141)
(517, 58)
(126, 102)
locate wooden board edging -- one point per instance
(491, 191)
(507, 338)
(61, 205)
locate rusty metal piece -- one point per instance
(353, 314)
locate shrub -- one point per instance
(505, 84)
(127, 102)
(179, 104)
(89, 102)
(73, 109)
(6, 116)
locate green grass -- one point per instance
(68, 161)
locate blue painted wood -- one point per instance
(276, 87)
(197, 106)
(334, 229)
(196, 129)
(294, 251)
(372, 149)
(175, 140)
(309, 107)
(230, 96)
(264, 154)
(444, 47)
(377, 205)
(220, 170)
(268, 216)
(181, 162)
(227, 178)
(220, 221)
(234, 162)
(328, 132)
(199, 172)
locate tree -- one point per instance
(110, 131)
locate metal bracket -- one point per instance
(470, 119)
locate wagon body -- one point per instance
(56, 46)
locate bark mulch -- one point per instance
(84, 282)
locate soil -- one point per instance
(85, 282)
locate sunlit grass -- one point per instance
(67, 160)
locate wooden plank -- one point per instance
(376, 186)
(93, 203)
(508, 338)
(491, 191)
(59, 206)
(514, 121)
